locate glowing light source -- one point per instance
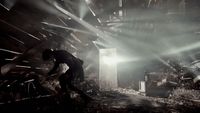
(107, 69)
(88, 1)
(110, 60)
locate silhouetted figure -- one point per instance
(75, 69)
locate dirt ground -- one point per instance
(107, 102)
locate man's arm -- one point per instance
(54, 68)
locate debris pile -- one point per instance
(126, 91)
(185, 94)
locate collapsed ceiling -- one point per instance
(139, 29)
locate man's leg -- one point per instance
(71, 76)
(81, 93)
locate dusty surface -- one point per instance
(107, 102)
